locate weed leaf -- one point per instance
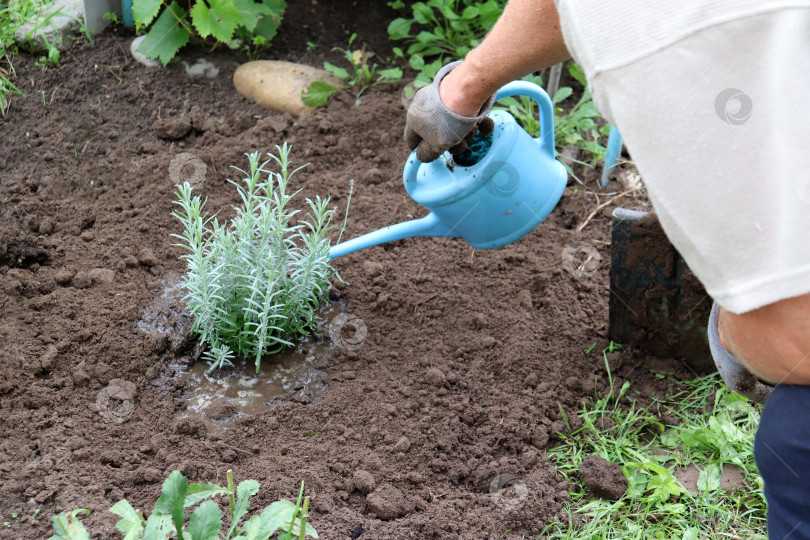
(172, 499)
(339, 71)
(158, 527)
(205, 521)
(399, 28)
(317, 93)
(68, 526)
(245, 490)
(199, 492)
(131, 524)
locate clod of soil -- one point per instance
(603, 478)
(388, 503)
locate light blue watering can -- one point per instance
(492, 203)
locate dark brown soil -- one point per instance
(470, 355)
(603, 478)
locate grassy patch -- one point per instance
(715, 430)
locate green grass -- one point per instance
(716, 428)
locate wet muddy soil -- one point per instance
(467, 359)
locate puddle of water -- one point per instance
(223, 395)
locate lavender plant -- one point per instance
(255, 284)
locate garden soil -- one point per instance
(436, 427)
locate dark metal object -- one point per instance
(656, 303)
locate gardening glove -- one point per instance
(736, 376)
(432, 128)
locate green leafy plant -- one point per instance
(445, 27)
(13, 15)
(581, 127)
(251, 21)
(715, 429)
(255, 283)
(362, 76)
(284, 518)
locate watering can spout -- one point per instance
(430, 225)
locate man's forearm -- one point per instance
(526, 38)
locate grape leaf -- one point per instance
(144, 11)
(219, 20)
(251, 13)
(317, 93)
(167, 35)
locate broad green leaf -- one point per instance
(244, 491)
(317, 93)
(278, 514)
(709, 477)
(425, 37)
(144, 11)
(250, 13)
(199, 492)
(562, 94)
(422, 13)
(167, 35)
(218, 19)
(577, 73)
(172, 499)
(417, 62)
(339, 71)
(267, 25)
(205, 521)
(398, 52)
(131, 524)
(308, 528)
(68, 526)
(393, 74)
(399, 28)
(158, 527)
(470, 12)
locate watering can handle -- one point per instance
(546, 111)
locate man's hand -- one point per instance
(735, 375)
(432, 128)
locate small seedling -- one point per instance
(169, 519)
(364, 74)
(255, 284)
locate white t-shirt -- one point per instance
(713, 101)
